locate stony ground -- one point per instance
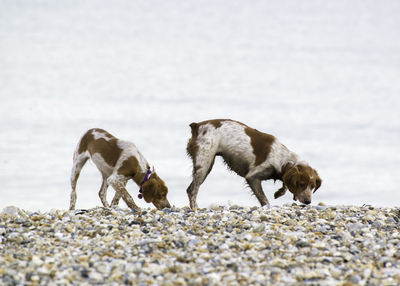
(289, 245)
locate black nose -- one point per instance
(307, 202)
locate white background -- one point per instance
(323, 76)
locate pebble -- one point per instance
(220, 245)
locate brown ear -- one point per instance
(148, 191)
(318, 182)
(290, 178)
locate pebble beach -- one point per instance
(219, 245)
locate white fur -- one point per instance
(100, 135)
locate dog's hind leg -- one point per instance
(192, 191)
(200, 173)
(255, 185)
(202, 148)
(78, 163)
(103, 192)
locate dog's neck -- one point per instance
(286, 167)
(290, 164)
(290, 159)
(146, 178)
(142, 177)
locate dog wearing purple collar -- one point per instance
(118, 161)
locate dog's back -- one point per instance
(226, 138)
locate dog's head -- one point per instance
(302, 181)
(155, 191)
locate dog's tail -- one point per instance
(192, 147)
(195, 129)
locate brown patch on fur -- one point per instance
(155, 191)
(109, 150)
(130, 168)
(261, 143)
(83, 144)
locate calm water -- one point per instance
(321, 76)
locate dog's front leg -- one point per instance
(115, 200)
(119, 187)
(255, 185)
(126, 197)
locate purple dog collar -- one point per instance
(146, 178)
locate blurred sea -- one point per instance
(323, 76)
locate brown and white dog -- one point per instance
(118, 161)
(254, 155)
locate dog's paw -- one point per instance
(280, 192)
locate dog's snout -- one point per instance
(162, 204)
(167, 205)
(307, 201)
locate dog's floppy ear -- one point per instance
(318, 182)
(152, 188)
(149, 191)
(291, 178)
